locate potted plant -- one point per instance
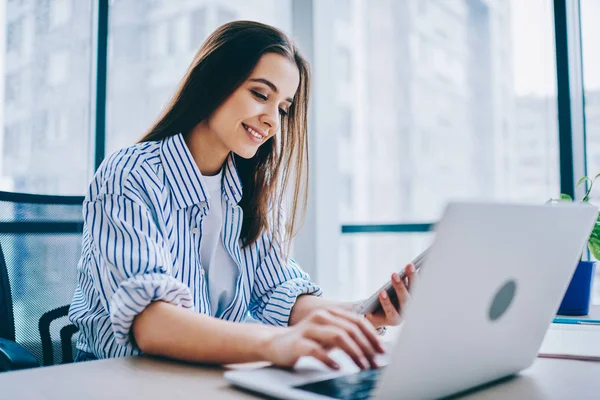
(576, 300)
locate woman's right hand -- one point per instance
(321, 331)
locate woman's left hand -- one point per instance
(388, 314)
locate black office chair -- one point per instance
(40, 245)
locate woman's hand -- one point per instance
(389, 314)
(321, 331)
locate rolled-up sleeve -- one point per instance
(133, 266)
(278, 282)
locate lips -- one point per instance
(254, 133)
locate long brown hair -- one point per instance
(225, 61)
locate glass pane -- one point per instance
(439, 100)
(590, 12)
(368, 260)
(151, 44)
(45, 104)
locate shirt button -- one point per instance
(202, 271)
(195, 231)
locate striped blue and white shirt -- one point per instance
(141, 243)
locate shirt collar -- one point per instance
(184, 177)
(232, 184)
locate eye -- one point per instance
(282, 112)
(259, 95)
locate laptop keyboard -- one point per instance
(356, 386)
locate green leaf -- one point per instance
(587, 194)
(594, 249)
(594, 241)
(564, 196)
(585, 178)
(586, 197)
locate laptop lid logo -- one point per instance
(502, 300)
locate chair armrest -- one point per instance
(13, 356)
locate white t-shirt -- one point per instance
(221, 269)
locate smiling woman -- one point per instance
(236, 97)
(185, 233)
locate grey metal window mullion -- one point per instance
(100, 82)
(386, 228)
(39, 227)
(570, 96)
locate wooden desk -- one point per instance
(147, 378)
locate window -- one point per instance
(225, 15)
(171, 37)
(362, 272)
(14, 36)
(471, 107)
(344, 65)
(58, 68)
(42, 16)
(455, 72)
(198, 31)
(591, 63)
(422, 101)
(13, 89)
(58, 128)
(46, 71)
(346, 192)
(60, 12)
(174, 32)
(39, 127)
(348, 259)
(159, 38)
(590, 12)
(50, 128)
(346, 121)
(127, 44)
(13, 146)
(422, 6)
(344, 9)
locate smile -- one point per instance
(253, 133)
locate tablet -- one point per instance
(372, 304)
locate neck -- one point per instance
(207, 150)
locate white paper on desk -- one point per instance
(572, 341)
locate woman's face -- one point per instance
(253, 112)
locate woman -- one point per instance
(184, 232)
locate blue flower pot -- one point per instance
(577, 298)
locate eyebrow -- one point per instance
(271, 85)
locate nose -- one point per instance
(270, 120)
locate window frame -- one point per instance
(318, 243)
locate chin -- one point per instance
(246, 153)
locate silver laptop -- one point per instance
(488, 290)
